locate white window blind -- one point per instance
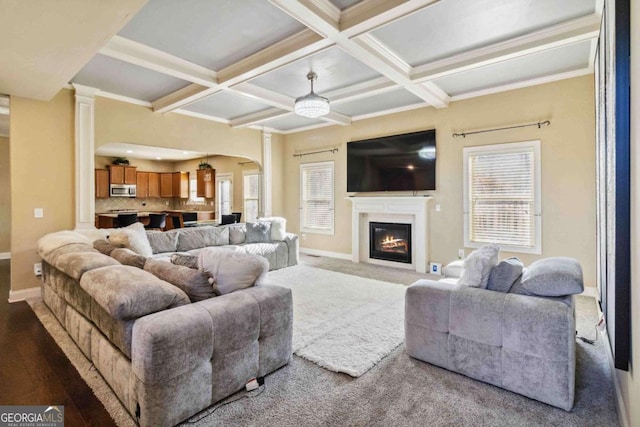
(251, 195)
(316, 188)
(502, 196)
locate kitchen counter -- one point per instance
(108, 219)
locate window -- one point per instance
(316, 197)
(502, 196)
(224, 193)
(193, 192)
(251, 195)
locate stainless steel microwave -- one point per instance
(122, 190)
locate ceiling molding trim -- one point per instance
(523, 83)
(361, 90)
(306, 13)
(592, 54)
(153, 59)
(376, 46)
(123, 98)
(266, 96)
(260, 116)
(305, 128)
(326, 8)
(182, 97)
(336, 118)
(574, 31)
(391, 111)
(200, 116)
(368, 15)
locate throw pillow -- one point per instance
(478, 265)
(128, 257)
(163, 241)
(231, 271)
(258, 232)
(195, 283)
(554, 277)
(133, 237)
(189, 261)
(505, 274)
(278, 227)
(237, 234)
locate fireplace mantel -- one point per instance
(416, 207)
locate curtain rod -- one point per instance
(332, 150)
(539, 124)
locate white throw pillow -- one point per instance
(478, 266)
(133, 237)
(278, 227)
(230, 271)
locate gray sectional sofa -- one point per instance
(501, 333)
(164, 356)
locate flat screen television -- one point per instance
(404, 162)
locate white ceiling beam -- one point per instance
(361, 90)
(306, 12)
(266, 96)
(182, 97)
(574, 31)
(337, 118)
(368, 15)
(153, 59)
(259, 117)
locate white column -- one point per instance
(266, 174)
(84, 148)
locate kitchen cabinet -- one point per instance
(154, 184)
(102, 183)
(166, 184)
(119, 174)
(180, 184)
(142, 185)
(205, 183)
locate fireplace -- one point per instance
(390, 241)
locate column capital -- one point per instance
(87, 91)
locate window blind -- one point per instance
(501, 191)
(317, 196)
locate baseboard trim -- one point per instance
(23, 294)
(620, 406)
(329, 254)
(5, 255)
(590, 292)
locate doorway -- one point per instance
(224, 192)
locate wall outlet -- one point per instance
(460, 253)
(437, 208)
(435, 268)
(38, 212)
(37, 269)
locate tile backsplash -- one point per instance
(159, 204)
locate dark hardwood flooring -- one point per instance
(33, 369)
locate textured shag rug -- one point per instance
(343, 323)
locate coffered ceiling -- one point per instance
(243, 62)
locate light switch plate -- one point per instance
(38, 213)
(437, 208)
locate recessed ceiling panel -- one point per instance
(226, 106)
(211, 33)
(540, 64)
(112, 75)
(335, 69)
(373, 104)
(454, 26)
(291, 122)
(343, 4)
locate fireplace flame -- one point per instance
(390, 243)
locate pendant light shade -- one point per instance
(311, 105)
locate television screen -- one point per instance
(404, 162)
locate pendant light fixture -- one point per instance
(311, 105)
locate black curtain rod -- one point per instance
(539, 124)
(332, 150)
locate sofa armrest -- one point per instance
(294, 248)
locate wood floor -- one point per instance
(33, 369)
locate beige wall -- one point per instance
(143, 165)
(568, 166)
(5, 196)
(42, 176)
(117, 121)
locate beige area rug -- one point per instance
(85, 368)
(341, 322)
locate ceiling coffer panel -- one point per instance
(386, 101)
(226, 105)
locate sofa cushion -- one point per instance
(554, 277)
(505, 274)
(200, 237)
(128, 293)
(276, 253)
(163, 241)
(195, 283)
(127, 257)
(278, 227)
(454, 268)
(190, 261)
(478, 266)
(231, 270)
(103, 246)
(133, 237)
(76, 264)
(258, 232)
(237, 234)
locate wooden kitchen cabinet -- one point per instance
(205, 183)
(119, 174)
(154, 184)
(166, 184)
(142, 185)
(102, 183)
(180, 184)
